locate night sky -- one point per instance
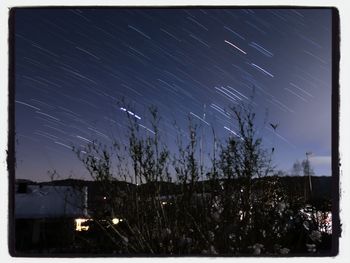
(73, 66)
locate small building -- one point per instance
(45, 216)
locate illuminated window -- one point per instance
(79, 224)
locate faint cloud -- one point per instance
(320, 160)
(322, 165)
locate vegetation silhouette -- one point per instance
(170, 205)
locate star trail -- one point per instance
(73, 67)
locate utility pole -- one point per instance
(201, 146)
(308, 174)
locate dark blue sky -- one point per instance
(72, 66)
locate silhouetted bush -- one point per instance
(240, 208)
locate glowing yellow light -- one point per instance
(79, 226)
(115, 221)
(164, 203)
